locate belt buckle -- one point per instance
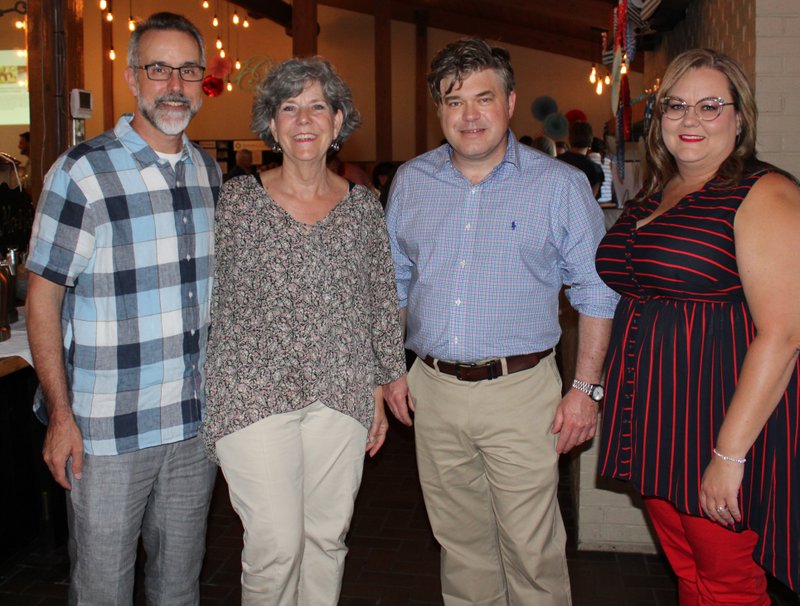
(491, 366)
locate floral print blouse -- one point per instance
(299, 313)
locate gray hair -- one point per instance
(459, 60)
(288, 79)
(164, 22)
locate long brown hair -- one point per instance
(659, 165)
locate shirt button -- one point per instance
(473, 190)
(462, 263)
(468, 226)
(192, 332)
(191, 294)
(188, 257)
(455, 340)
(458, 301)
(185, 219)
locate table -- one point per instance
(15, 353)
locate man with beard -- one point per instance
(121, 263)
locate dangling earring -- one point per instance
(277, 148)
(335, 146)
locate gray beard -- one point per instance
(164, 120)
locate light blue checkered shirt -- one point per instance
(131, 239)
(479, 267)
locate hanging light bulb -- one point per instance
(230, 86)
(131, 24)
(219, 42)
(624, 69)
(19, 24)
(599, 89)
(593, 74)
(215, 21)
(607, 80)
(205, 3)
(238, 64)
(103, 5)
(235, 18)
(109, 16)
(112, 55)
(222, 53)
(245, 23)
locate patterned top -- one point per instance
(679, 339)
(480, 266)
(299, 313)
(131, 240)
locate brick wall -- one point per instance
(777, 68)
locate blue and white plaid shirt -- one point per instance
(479, 267)
(132, 241)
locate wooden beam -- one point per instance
(55, 29)
(304, 28)
(421, 97)
(383, 81)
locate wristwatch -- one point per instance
(594, 391)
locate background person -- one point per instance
(484, 232)
(306, 327)
(580, 140)
(702, 392)
(118, 311)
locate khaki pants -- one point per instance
(489, 474)
(293, 480)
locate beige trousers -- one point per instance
(293, 480)
(489, 474)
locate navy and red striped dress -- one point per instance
(678, 341)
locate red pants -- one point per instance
(714, 565)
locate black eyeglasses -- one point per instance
(707, 109)
(161, 72)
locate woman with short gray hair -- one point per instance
(305, 331)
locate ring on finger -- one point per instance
(721, 508)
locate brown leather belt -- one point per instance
(491, 369)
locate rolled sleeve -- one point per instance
(580, 228)
(402, 263)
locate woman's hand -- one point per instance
(719, 491)
(380, 425)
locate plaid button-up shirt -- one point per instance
(131, 239)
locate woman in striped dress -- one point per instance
(702, 385)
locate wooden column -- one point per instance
(304, 28)
(421, 96)
(383, 81)
(55, 30)
(107, 41)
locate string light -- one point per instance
(109, 16)
(131, 24)
(103, 5)
(245, 23)
(599, 89)
(593, 74)
(205, 3)
(112, 55)
(235, 18)
(219, 42)
(222, 53)
(237, 64)
(230, 86)
(215, 21)
(19, 24)
(607, 80)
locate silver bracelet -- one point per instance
(717, 453)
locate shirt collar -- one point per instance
(510, 158)
(143, 153)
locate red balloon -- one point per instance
(213, 86)
(575, 115)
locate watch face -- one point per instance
(597, 393)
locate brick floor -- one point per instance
(393, 559)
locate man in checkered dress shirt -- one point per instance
(121, 264)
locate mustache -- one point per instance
(174, 98)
